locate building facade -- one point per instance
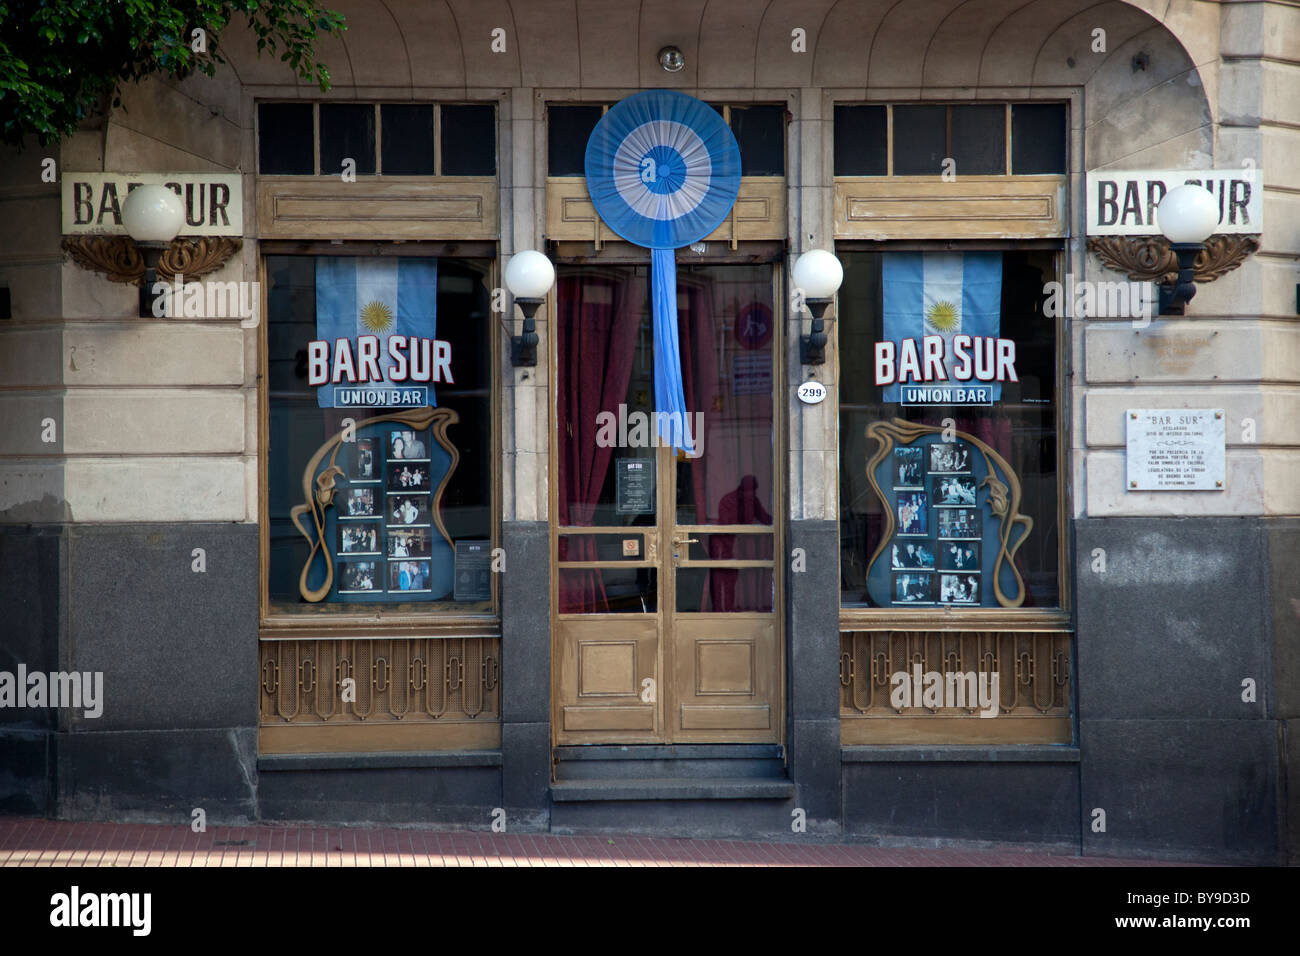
(880, 609)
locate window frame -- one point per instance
(376, 620)
(955, 618)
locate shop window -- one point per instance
(409, 139)
(404, 139)
(1038, 137)
(861, 140)
(399, 470)
(469, 140)
(285, 138)
(950, 482)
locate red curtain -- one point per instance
(596, 328)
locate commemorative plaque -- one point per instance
(1175, 449)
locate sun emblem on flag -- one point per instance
(942, 316)
(376, 317)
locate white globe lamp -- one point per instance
(529, 277)
(817, 276)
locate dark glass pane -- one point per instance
(728, 547)
(718, 590)
(347, 131)
(920, 137)
(979, 140)
(760, 133)
(284, 139)
(1038, 137)
(942, 550)
(408, 140)
(861, 140)
(608, 590)
(602, 547)
(567, 130)
(469, 140)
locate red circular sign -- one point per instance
(754, 326)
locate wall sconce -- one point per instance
(1187, 216)
(671, 59)
(817, 274)
(529, 277)
(152, 215)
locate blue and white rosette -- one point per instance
(663, 171)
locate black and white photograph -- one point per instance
(913, 518)
(949, 458)
(361, 537)
(407, 445)
(959, 556)
(909, 468)
(365, 467)
(911, 554)
(955, 491)
(914, 588)
(358, 577)
(959, 589)
(959, 524)
(409, 543)
(408, 476)
(359, 503)
(408, 509)
(408, 576)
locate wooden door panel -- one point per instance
(601, 665)
(726, 679)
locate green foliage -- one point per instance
(60, 60)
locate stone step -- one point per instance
(661, 789)
(692, 762)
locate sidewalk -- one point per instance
(25, 841)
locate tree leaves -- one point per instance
(77, 55)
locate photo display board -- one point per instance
(945, 539)
(382, 536)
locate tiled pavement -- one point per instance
(25, 841)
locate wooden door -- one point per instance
(666, 604)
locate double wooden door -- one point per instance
(666, 587)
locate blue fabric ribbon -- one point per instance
(670, 397)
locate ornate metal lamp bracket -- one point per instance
(119, 258)
(1150, 259)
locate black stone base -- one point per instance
(977, 795)
(459, 790)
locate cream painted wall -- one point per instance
(141, 404)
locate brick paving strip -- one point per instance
(25, 841)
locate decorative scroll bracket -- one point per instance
(1004, 498)
(319, 490)
(119, 258)
(1150, 259)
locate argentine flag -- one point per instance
(945, 294)
(377, 295)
